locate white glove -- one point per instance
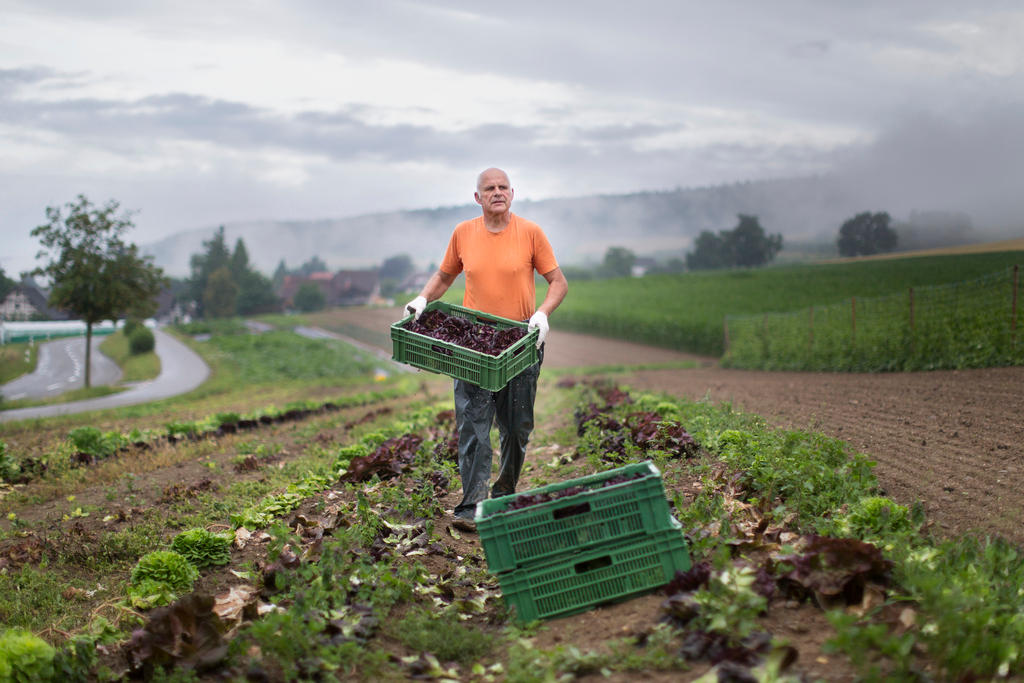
(416, 307)
(539, 322)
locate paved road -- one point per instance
(61, 368)
(181, 370)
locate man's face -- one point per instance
(494, 192)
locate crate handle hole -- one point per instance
(572, 511)
(591, 565)
(438, 349)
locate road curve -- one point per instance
(60, 368)
(181, 370)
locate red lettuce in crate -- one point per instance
(462, 332)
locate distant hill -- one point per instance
(580, 229)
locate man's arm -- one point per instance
(558, 287)
(437, 285)
(435, 288)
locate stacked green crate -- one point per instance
(611, 537)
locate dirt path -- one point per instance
(952, 439)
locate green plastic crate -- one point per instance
(602, 575)
(572, 523)
(483, 370)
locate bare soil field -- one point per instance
(953, 440)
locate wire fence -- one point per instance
(968, 324)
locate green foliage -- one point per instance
(960, 325)
(141, 340)
(130, 325)
(686, 312)
(729, 605)
(618, 262)
(95, 442)
(279, 355)
(220, 298)
(745, 245)
(970, 601)
(812, 473)
(6, 284)
(31, 596)
(159, 577)
(877, 517)
(442, 635)
(203, 548)
(567, 662)
(218, 327)
(870, 644)
(213, 257)
(25, 658)
(94, 273)
(865, 234)
(396, 267)
(309, 297)
(10, 469)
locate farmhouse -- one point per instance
(28, 302)
(342, 288)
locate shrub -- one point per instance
(25, 657)
(875, 516)
(130, 325)
(9, 467)
(141, 340)
(203, 548)
(94, 442)
(158, 577)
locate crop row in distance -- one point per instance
(686, 311)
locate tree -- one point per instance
(279, 274)
(309, 298)
(239, 261)
(313, 265)
(748, 245)
(6, 284)
(708, 252)
(256, 294)
(221, 295)
(618, 262)
(745, 245)
(396, 268)
(865, 234)
(93, 272)
(215, 256)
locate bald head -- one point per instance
(488, 173)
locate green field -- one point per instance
(16, 360)
(687, 311)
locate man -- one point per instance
(499, 252)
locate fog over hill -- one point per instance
(657, 224)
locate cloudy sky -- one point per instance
(196, 113)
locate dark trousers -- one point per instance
(476, 410)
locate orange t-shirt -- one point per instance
(499, 266)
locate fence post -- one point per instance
(810, 337)
(912, 330)
(853, 320)
(1013, 319)
(725, 327)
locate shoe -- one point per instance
(464, 524)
